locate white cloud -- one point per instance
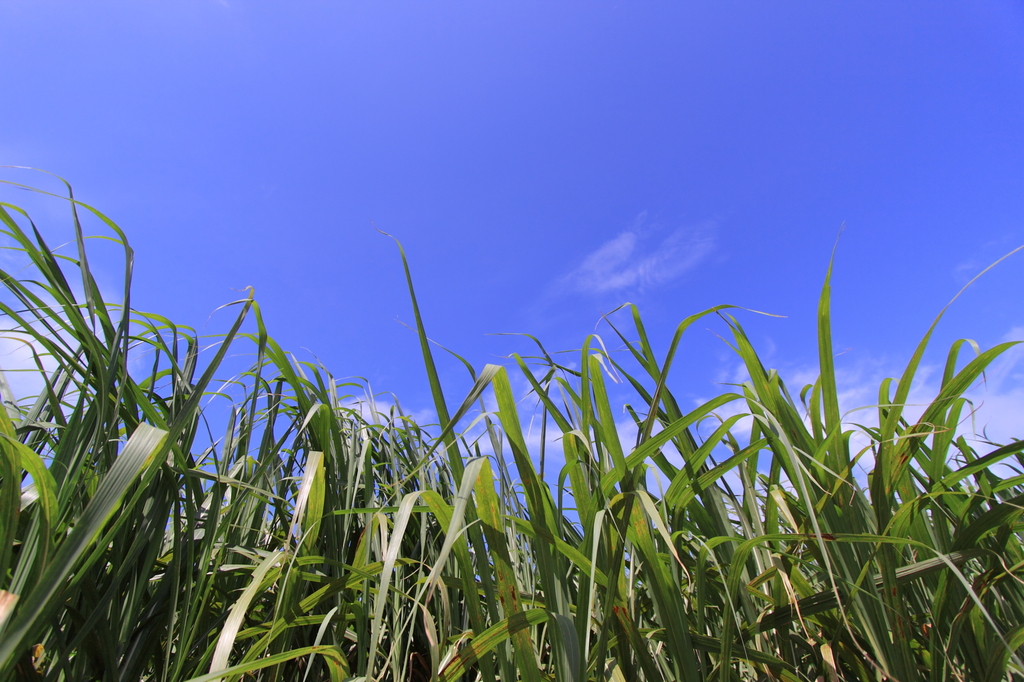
(378, 410)
(18, 363)
(638, 259)
(998, 400)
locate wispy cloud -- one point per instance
(997, 400)
(20, 360)
(983, 256)
(641, 257)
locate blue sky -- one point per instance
(542, 163)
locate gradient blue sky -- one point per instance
(542, 163)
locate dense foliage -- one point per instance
(320, 539)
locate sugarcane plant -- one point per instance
(183, 507)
